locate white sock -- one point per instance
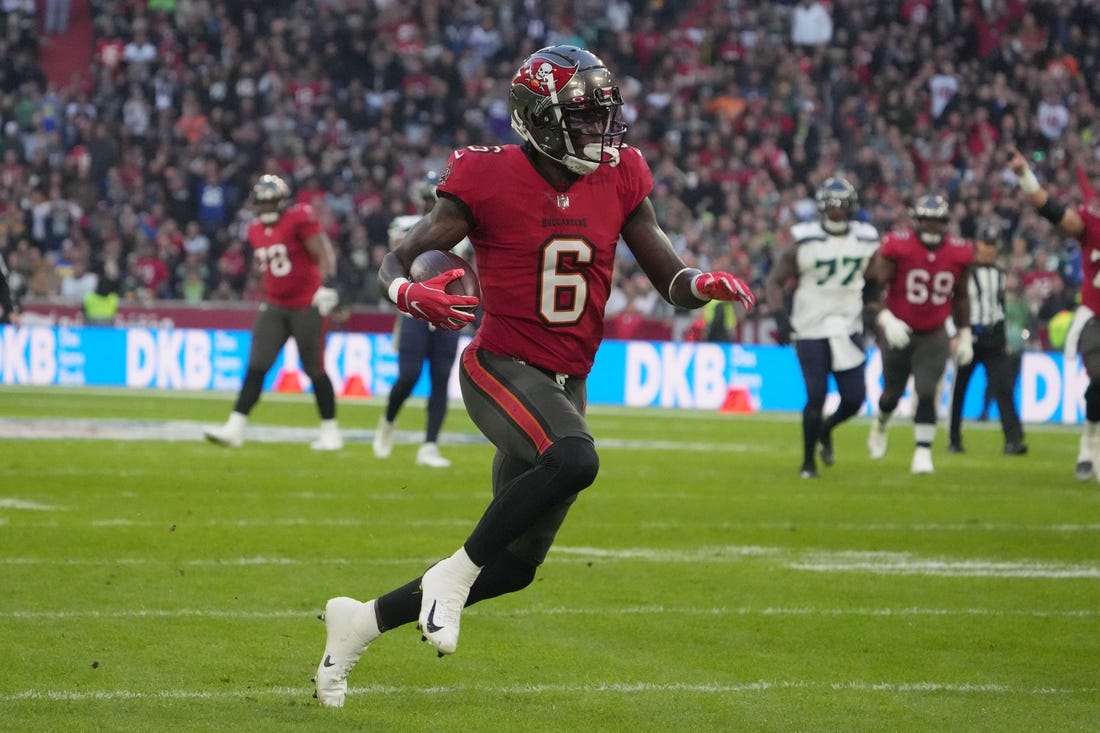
(464, 566)
(366, 622)
(925, 433)
(236, 422)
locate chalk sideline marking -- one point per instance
(611, 688)
(187, 431)
(152, 613)
(877, 563)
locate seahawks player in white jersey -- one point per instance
(419, 343)
(826, 268)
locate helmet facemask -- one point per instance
(836, 202)
(270, 196)
(568, 113)
(931, 232)
(930, 218)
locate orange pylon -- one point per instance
(288, 381)
(355, 387)
(738, 400)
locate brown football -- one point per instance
(435, 262)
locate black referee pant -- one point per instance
(990, 352)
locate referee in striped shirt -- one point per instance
(987, 320)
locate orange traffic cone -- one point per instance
(288, 381)
(738, 400)
(355, 387)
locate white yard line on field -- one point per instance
(904, 563)
(601, 688)
(888, 526)
(191, 432)
(488, 612)
(838, 561)
(187, 431)
(367, 521)
(10, 502)
(879, 563)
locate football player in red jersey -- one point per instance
(1083, 223)
(544, 219)
(923, 272)
(296, 257)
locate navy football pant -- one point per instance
(417, 343)
(815, 358)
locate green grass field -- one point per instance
(153, 582)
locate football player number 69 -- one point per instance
(563, 295)
(917, 289)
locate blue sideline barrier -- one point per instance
(630, 373)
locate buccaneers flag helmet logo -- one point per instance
(543, 76)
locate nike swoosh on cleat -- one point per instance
(431, 627)
(328, 661)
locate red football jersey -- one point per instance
(291, 275)
(1090, 254)
(544, 256)
(923, 288)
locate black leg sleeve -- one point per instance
(563, 469)
(250, 390)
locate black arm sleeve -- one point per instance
(872, 291)
(1052, 211)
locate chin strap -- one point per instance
(580, 166)
(930, 240)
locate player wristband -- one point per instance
(672, 284)
(695, 290)
(395, 288)
(1028, 182)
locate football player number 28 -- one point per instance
(922, 287)
(563, 294)
(274, 259)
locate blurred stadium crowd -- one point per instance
(132, 175)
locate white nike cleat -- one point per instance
(383, 438)
(349, 627)
(444, 589)
(428, 455)
(329, 437)
(876, 441)
(224, 436)
(327, 442)
(922, 461)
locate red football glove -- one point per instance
(722, 286)
(429, 302)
